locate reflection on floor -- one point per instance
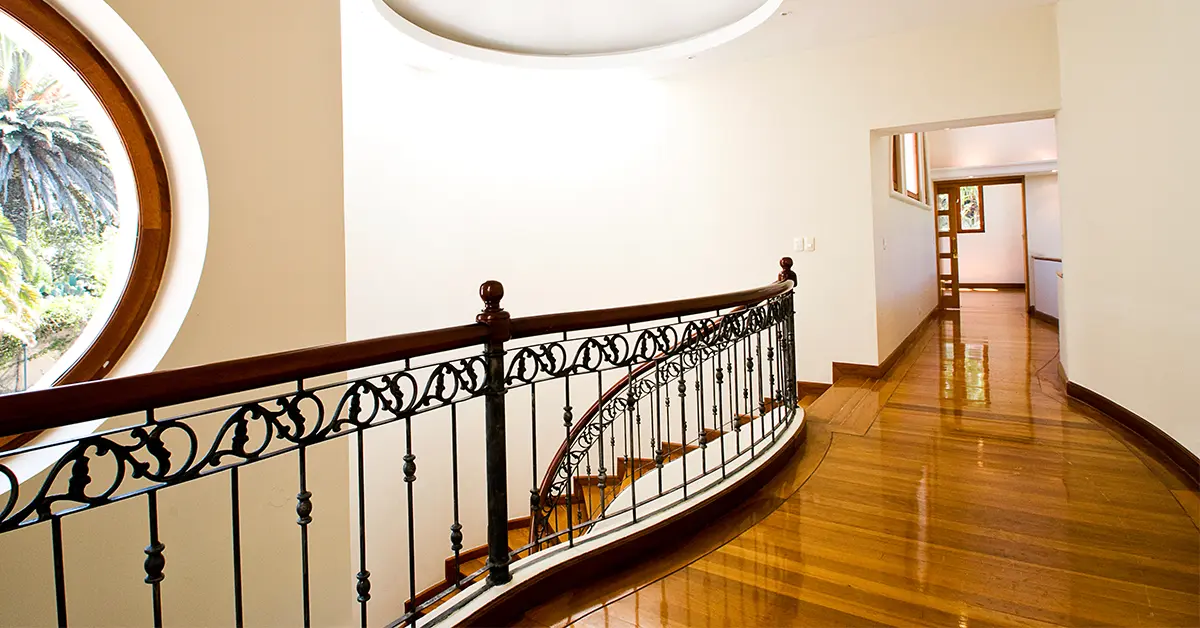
(992, 299)
(975, 495)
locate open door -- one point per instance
(946, 203)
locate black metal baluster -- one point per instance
(733, 390)
(631, 466)
(304, 509)
(456, 535)
(666, 439)
(777, 400)
(719, 378)
(657, 411)
(60, 584)
(567, 419)
(363, 577)
(762, 394)
(700, 413)
(410, 476)
(534, 500)
(236, 517)
(155, 561)
(601, 476)
(747, 384)
(683, 422)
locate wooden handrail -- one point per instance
(66, 405)
(1042, 258)
(592, 319)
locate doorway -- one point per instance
(960, 211)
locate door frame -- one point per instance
(954, 224)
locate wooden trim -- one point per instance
(1025, 245)
(518, 523)
(1044, 317)
(150, 178)
(1042, 258)
(994, 286)
(804, 389)
(75, 403)
(845, 369)
(1158, 441)
(983, 181)
(667, 534)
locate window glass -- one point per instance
(971, 212)
(61, 246)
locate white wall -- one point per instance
(1127, 135)
(992, 144)
(584, 190)
(998, 254)
(260, 81)
(1045, 240)
(906, 257)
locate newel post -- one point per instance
(787, 274)
(496, 464)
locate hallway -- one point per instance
(974, 494)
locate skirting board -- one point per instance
(804, 389)
(1168, 448)
(994, 286)
(1044, 317)
(843, 369)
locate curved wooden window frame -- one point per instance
(150, 178)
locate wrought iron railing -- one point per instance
(728, 360)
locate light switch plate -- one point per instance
(798, 244)
(810, 244)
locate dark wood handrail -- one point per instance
(49, 408)
(65, 405)
(1042, 258)
(592, 319)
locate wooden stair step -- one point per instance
(640, 466)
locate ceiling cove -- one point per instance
(575, 33)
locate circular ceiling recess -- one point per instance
(559, 29)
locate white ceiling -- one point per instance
(572, 27)
(666, 36)
(807, 24)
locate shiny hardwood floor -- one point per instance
(963, 489)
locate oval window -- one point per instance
(83, 205)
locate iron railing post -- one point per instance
(496, 461)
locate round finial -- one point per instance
(787, 274)
(491, 292)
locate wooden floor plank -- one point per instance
(963, 488)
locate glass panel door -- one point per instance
(946, 228)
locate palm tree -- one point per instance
(20, 315)
(50, 159)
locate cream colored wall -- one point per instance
(590, 190)
(992, 144)
(1127, 164)
(906, 257)
(261, 83)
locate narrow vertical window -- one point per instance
(912, 166)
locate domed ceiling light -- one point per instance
(575, 33)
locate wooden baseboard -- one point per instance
(1167, 448)
(626, 552)
(804, 389)
(844, 369)
(1044, 317)
(994, 286)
